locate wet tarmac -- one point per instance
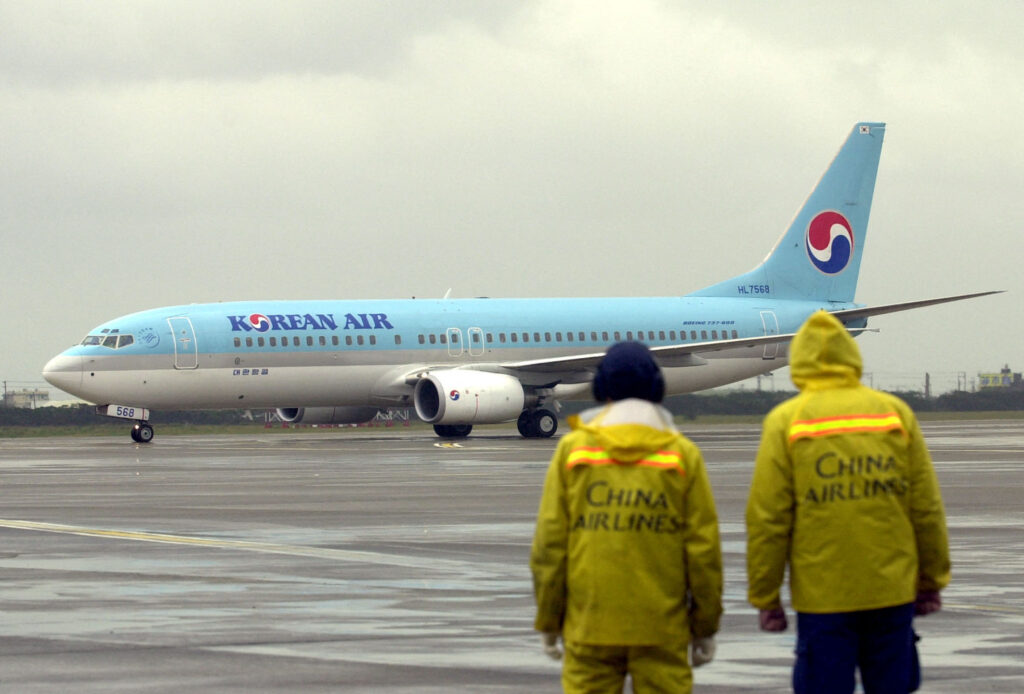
(385, 560)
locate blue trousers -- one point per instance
(880, 643)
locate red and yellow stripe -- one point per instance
(595, 455)
(845, 424)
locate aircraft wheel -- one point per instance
(135, 434)
(524, 423)
(544, 424)
(453, 431)
(143, 433)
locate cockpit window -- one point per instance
(113, 341)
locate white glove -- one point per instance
(702, 651)
(551, 648)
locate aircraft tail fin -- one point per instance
(818, 258)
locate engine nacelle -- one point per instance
(461, 396)
(326, 415)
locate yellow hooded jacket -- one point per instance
(843, 489)
(626, 550)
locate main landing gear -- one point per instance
(537, 424)
(453, 431)
(142, 432)
(532, 424)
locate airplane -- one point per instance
(461, 362)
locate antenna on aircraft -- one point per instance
(448, 293)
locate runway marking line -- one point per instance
(243, 545)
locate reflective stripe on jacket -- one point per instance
(843, 490)
(626, 549)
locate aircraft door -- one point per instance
(186, 351)
(771, 327)
(454, 342)
(476, 342)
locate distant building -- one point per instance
(1004, 379)
(27, 398)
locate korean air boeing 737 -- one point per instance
(461, 362)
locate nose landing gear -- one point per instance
(142, 432)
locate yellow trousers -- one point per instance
(603, 669)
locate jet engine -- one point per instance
(462, 396)
(326, 415)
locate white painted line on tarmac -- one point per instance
(461, 568)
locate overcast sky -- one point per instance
(156, 153)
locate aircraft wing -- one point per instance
(579, 368)
(668, 355)
(850, 314)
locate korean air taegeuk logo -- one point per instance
(829, 242)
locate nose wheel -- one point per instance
(142, 433)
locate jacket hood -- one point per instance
(824, 355)
(628, 429)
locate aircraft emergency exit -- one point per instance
(461, 362)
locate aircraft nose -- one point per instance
(64, 372)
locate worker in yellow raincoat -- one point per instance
(626, 559)
(844, 492)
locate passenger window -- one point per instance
(348, 340)
(373, 339)
(526, 337)
(703, 334)
(444, 339)
(421, 339)
(334, 340)
(568, 336)
(273, 342)
(536, 337)
(476, 338)
(238, 342)
(455, 338)
(398, 339)
(359, 340)
(661, 335)
(618, 336)
(515, 337)
(261, 342)
(501, 337)
(323, 341)
(734, 335)
(650, 335)
(714, 334)
(693, 334)
(433, 339)
(558, 337)
(248, 342)
(604, 336)
(629, 334)
(547, 337)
